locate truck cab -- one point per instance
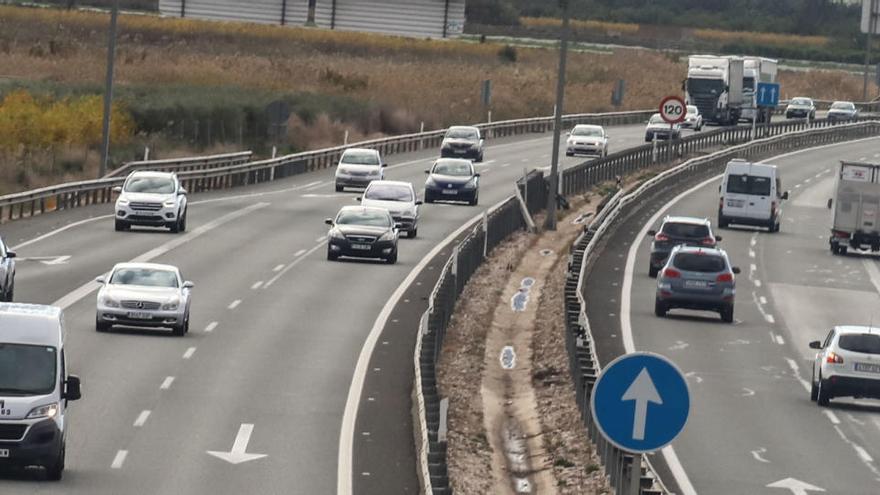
(714, 85)
(34, 388)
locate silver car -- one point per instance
(697, 278)
(144, 295)
(358, 167)
(399, 198)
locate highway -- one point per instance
(752, 423)
(276, 332)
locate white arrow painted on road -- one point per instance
(48, 260)
(797, 487)
(642, 390)
(239, 454)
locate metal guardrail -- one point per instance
(199, 177)
(183, 164)
(583, 362)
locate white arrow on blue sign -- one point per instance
(768, 94)
(641, 402)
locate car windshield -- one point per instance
(364, 217)
(840, 105)
(692, 110)
(696, 231)
(27, 369)
(146, 277)
(748, 184)
(800, 101)
(587, 131)
(150, 185)
(460, 169)
(657, 119)
(462, 134)
(866, 343)
(694, 262)
(360, 158)
(386, 192)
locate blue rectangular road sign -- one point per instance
(768, 94)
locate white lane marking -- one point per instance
(818, 175)
(797, 374)
(297, 254)
(211, 326)
(807, 180)
(679, 345)
(860, 451)
(356, 388)
(748, 392)
(678, 472)
(321, 239)
(257, 285)
(831, 417)
(84, 290)
(863, 158)
(119, 459)
(855, 419)
(751, 253)
(505, 165)
(142, 418)
(770, 319)
(754, 239)
(757, 283)
(189, 353)
(752, 267)
(316, 186)
(482, 164)
(758, 457)
(796, 186)
(234, 304)
(278, 268)
(779, 339)
(166, 383)
(873, 272)
(693, 374)
(291, 265)
(763, 300)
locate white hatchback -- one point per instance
(847, 364)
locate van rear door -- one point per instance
(748, 194)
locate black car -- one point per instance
(462, 142)
(452, 179)
(362, 232)
(676, 231)
(7, 272)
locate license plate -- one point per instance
(361, 247)
(4, 453)
(450, 191)
(868, 367)
(735, 203)
(139, 315)
(461, 152)
(696, 284)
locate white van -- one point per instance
(751, 194)
(34, 387)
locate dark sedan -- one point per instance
(452, 179)
(462, 142)
(362, 232)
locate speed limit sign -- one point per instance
(673, 109)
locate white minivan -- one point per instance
(34, 387)
(751, 194)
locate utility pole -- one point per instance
(550, 221)
(108, 91)
(872, 25)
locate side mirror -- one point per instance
(830, 201)
(477, 174)
(101, 280)
(117, 189)
(10, 254)
(567, 134)
(736, 270)
(72, 388)
(718, 238)
(398, 225)
(418, 203)
(188, 285)
(183, 191)
(785, 195)
(384, 165)
(815, 344)
(428, 172)
(328, 221)
(357, 198)
(652, 233)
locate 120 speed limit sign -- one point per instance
(673, 109)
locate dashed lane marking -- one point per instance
(119, 459)
(166, 383)
(189, 353)
(257, 285)
(142, 418)
(234, 304)
(211, 326)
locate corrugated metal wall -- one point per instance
(419, 18)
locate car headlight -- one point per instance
(471, 184)
(171, 306)
(169, 203)
(121, 202)
(110, 302)
(47, 411)
(430, 182)
(335, 234)
(341, 170)
(378, 171)
(387, 236)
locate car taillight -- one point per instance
(708, 241)
(773, 207)
(834, 358)
(724, 277)
(721, 203)
(671, 273)
(661, 237)
(840, 233)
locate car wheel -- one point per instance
(183, 223)
(101, 326)
(569, 153)
(55, 470)
(10, 294)
(842, 250)
(174, 227)
(727, 314)
(652, 271)
(474, 201)
(339, 188)
(392, 258)
(722, 222)
(480, 158)
(179, 330)
(823, 395)
(331, 256)
(814, 389)
(412, 233)
(605, 153)
(660, 308)
(121, 226)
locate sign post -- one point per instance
(767, 99)
(640, 403)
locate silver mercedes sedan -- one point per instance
(144, 295)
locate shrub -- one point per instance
(507, 54)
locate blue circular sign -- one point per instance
(641, 402)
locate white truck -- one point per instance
(856, 207)
(756, 70)
(715, 86)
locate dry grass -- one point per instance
(776, 39)
(605, 27)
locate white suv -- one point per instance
(155, 199)
(358, 167)
(847, 364)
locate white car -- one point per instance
(847, 364)
(144, 295)
(693, 119)
(155, 199)
(399, 198)
(588, 140)
(358, 167)
(660, 129)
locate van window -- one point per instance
(693, 262)
(866, 343)
(27, 369)
(748, 184)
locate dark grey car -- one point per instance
(843, 110)
(697, 278)
(675, 231)
(7, 272)
(462, 142)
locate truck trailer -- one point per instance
(856, 208)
